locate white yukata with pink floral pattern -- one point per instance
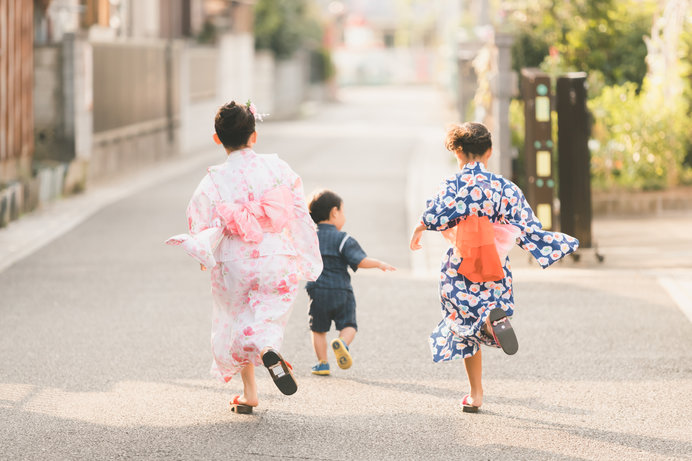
(249, 224)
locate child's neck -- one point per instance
(331, 222)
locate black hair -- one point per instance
(234, 124)
(472, 138)
(321, 205)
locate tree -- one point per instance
(603, 36)
(284, 26)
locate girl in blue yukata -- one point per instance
(482, 215)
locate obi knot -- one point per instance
(475, 241)
(251, 219)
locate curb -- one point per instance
(31, 232)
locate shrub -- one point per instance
(639, 140)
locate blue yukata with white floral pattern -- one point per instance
(466, 304)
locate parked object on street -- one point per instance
(331, 295)
(477, 211)
(249, 224)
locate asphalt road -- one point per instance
(104, 332)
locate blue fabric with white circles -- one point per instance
(466, 304)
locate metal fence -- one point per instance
(16, 88)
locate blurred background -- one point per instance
(90, 89)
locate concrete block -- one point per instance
(15, 194)
(4, 208)
(44, 176)
(75, 177)
(31, 194)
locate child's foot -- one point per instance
(343, 357)
(470, 405)
(500, 328)
(242, 406)
(322, 368)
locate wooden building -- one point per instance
(16, 89)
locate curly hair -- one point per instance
(234, 124)
(472, 138)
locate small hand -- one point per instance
(384, 267)
(415, 240)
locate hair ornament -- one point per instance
(253, 110)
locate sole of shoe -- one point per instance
(343, 357)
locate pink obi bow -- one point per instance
(251, 219)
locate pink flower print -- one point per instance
(556, 255)
(248, 331)
(476, 193)
(227, 378)
(488, 193)
(236, 357)
(255, 254)
(293, 278)
(474, 208)
(465, 177)
(283, 288)
(249, 348)
(251, 196)
(496, 185)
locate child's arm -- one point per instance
(415, 238)
(371, 263)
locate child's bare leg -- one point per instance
(474, 369)
(347, 335)
(319, 343)
(249, 397)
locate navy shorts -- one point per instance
(327, 305)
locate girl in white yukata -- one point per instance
(249, 224)
(482, 215)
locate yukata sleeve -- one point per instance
(545, 246)
(301, 229)
(444, 209)
(205, 229)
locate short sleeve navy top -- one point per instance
(339, 251)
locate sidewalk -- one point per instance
(34, 230)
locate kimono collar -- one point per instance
(474, 166)
(326, 225)
(246, 152)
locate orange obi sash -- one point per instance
(475, 242)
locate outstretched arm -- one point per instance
(371, 263)
(415, 238)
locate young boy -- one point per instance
(331, 295)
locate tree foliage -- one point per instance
(284, 26)
(604, 36)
